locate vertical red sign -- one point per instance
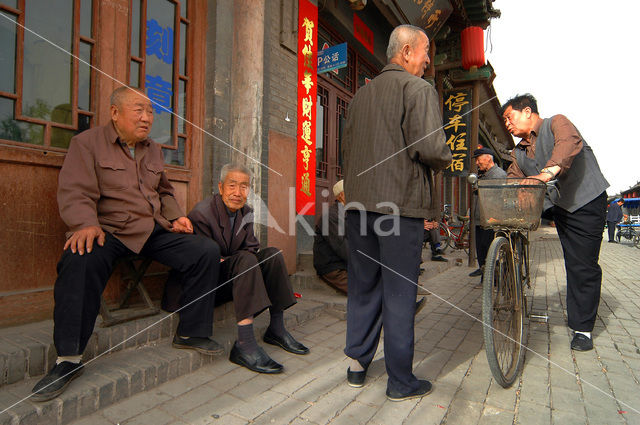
(362, 33)
(306, 134)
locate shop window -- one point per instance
(159, 66)
(45, 89)
(341, 120)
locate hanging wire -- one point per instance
(488, 41)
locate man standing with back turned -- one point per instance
(553, 148)
(393, 143)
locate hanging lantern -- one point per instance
(472, 41)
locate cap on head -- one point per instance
(483, 151)
(338, 188)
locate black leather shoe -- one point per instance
(581, 342)
(258, 362)
(287, 342)
(56, 381)
(356, 379)
(476, 272)
(438, 258)
(420, 304)
(423, 389)
(201, 345)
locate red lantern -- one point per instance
(472, 40)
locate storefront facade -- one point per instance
(223, 74)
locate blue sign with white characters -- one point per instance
(334, 57)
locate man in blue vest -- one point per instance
(553, 148)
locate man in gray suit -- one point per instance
(392, 145)
(487, 169)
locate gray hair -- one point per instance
(227, 168)
(401, 35)
(121, 92)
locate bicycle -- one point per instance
(512, 208)
(628, 231)
(454, 235)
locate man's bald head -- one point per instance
(122, 93)
(403, 35)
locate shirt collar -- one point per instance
(112, 135)
(393, 67)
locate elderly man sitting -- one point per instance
(257, 278)
(116, 199)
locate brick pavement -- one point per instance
(557, 386)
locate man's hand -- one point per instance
(81, 241)
(181, 225)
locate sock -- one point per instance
(247, 339)
(277, 323)
(72, 359)
(587, 334)
(355, 366)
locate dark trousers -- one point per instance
(82, 279)
(433, 237)
(580, 234)
(383, 295)
(484, 237)
(611, 228)
(255, 287)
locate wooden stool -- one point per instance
(133, 277)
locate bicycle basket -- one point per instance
(510, 203)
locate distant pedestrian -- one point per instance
(487, 169)
(392, 145)
(553, 148)
(614, 216)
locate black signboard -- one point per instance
(456, 119)
(427, 14)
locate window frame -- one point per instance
(176, 135)
(17, 97)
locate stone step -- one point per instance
(27, 351)
(305, 262)
(118, 375)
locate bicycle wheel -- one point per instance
(636, 241)
(445, 237)
(502, 313)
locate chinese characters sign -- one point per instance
(362, 33)
(429, 15)
(160, 46)
(334, 57)
(307, 80)
(457, 129)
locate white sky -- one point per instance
(579, 58)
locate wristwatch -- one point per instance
(546, 170)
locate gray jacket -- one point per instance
(393, 142)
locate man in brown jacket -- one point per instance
(393, 143)
(116, 199)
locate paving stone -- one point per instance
(464, 412)
(533, 414)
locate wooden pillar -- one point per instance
(247, 89)
(475, 126)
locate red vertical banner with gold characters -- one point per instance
(307, 80)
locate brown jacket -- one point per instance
(210, 218)
(100, 184)
(392, 144)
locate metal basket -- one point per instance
(510, 203)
